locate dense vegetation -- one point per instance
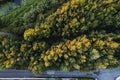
(26, 17)
(61, 35)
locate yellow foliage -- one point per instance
(78, 48)
(83, 38)
(82, 1)
(12, 61)
(64, 8)
(58, 50)
(76, 66)
(72, 48)
(76, 2)
(52, 53)
(18, 59)
(8, 56)
(28, 33)
(4, 42)
(93, 39)
(12, 53)
(35, 68)
(95, 51)
(108, 1)
(47, 64)
(83, 57)
(95, 54)
(35, 46)
(9, 63)
(100, 65)
(110, 38)
(1, 55)
(35, 62)
(32, 58)
(74, 21)
(55, 57)
(88, 44)
(45, 58)
(100, 43)
(104, 52)
(110, 56)
(42, 56)
(66, 56)
(113, 45)
(23, 47)
(49, 57)
(82, 20)
(83, 61)
(94, 6)
(60, 55)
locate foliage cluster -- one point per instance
(62, 35)
(77, 17)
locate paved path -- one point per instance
(4, 33)
(107, 74)
(9, 34)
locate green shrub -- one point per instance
(24, 16)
